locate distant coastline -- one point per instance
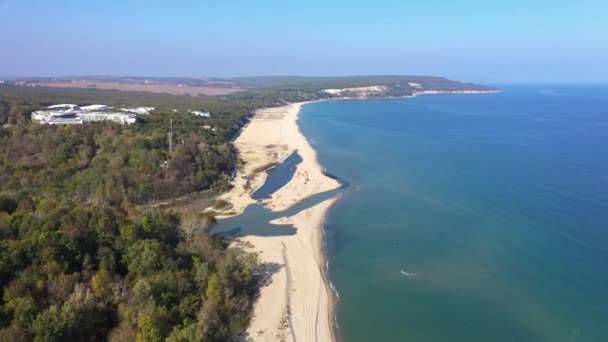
(450, 163)
(414, 94)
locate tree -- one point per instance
(100, 284)
(148, 256)
(50, 326)
(148, 328)
(193, 223)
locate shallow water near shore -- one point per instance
(469, 217)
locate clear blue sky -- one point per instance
(484, 41)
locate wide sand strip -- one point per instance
(272, 136)
(294, 303)
(309, 178)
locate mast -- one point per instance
(171, 138)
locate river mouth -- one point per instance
(278, 177)
(255, 220)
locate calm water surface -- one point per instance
(469, 217)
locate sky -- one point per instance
(468, 40)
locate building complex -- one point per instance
(63, 114)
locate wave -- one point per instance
(409, 274)
(337, 296)
(333, 288)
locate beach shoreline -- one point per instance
(270, 137)
(277, 148)
(296, 301)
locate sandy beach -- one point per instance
(294, 302)
(268, 139)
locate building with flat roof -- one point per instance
(200, 113)
(138, 110)
(70, 114)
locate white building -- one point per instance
(65, 107)
(95, 107)
(65, 114)
(200, 113)
(121, 118)
(63, 121)
(138, 110)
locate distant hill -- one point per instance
(271, 91)
(350, 81)
(391, 85)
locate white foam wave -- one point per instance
(333, 288)
(409, 274)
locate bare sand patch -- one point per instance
(173, 89)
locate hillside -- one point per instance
(394, 85)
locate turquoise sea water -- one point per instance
(469, 217)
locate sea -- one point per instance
(468, 217)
